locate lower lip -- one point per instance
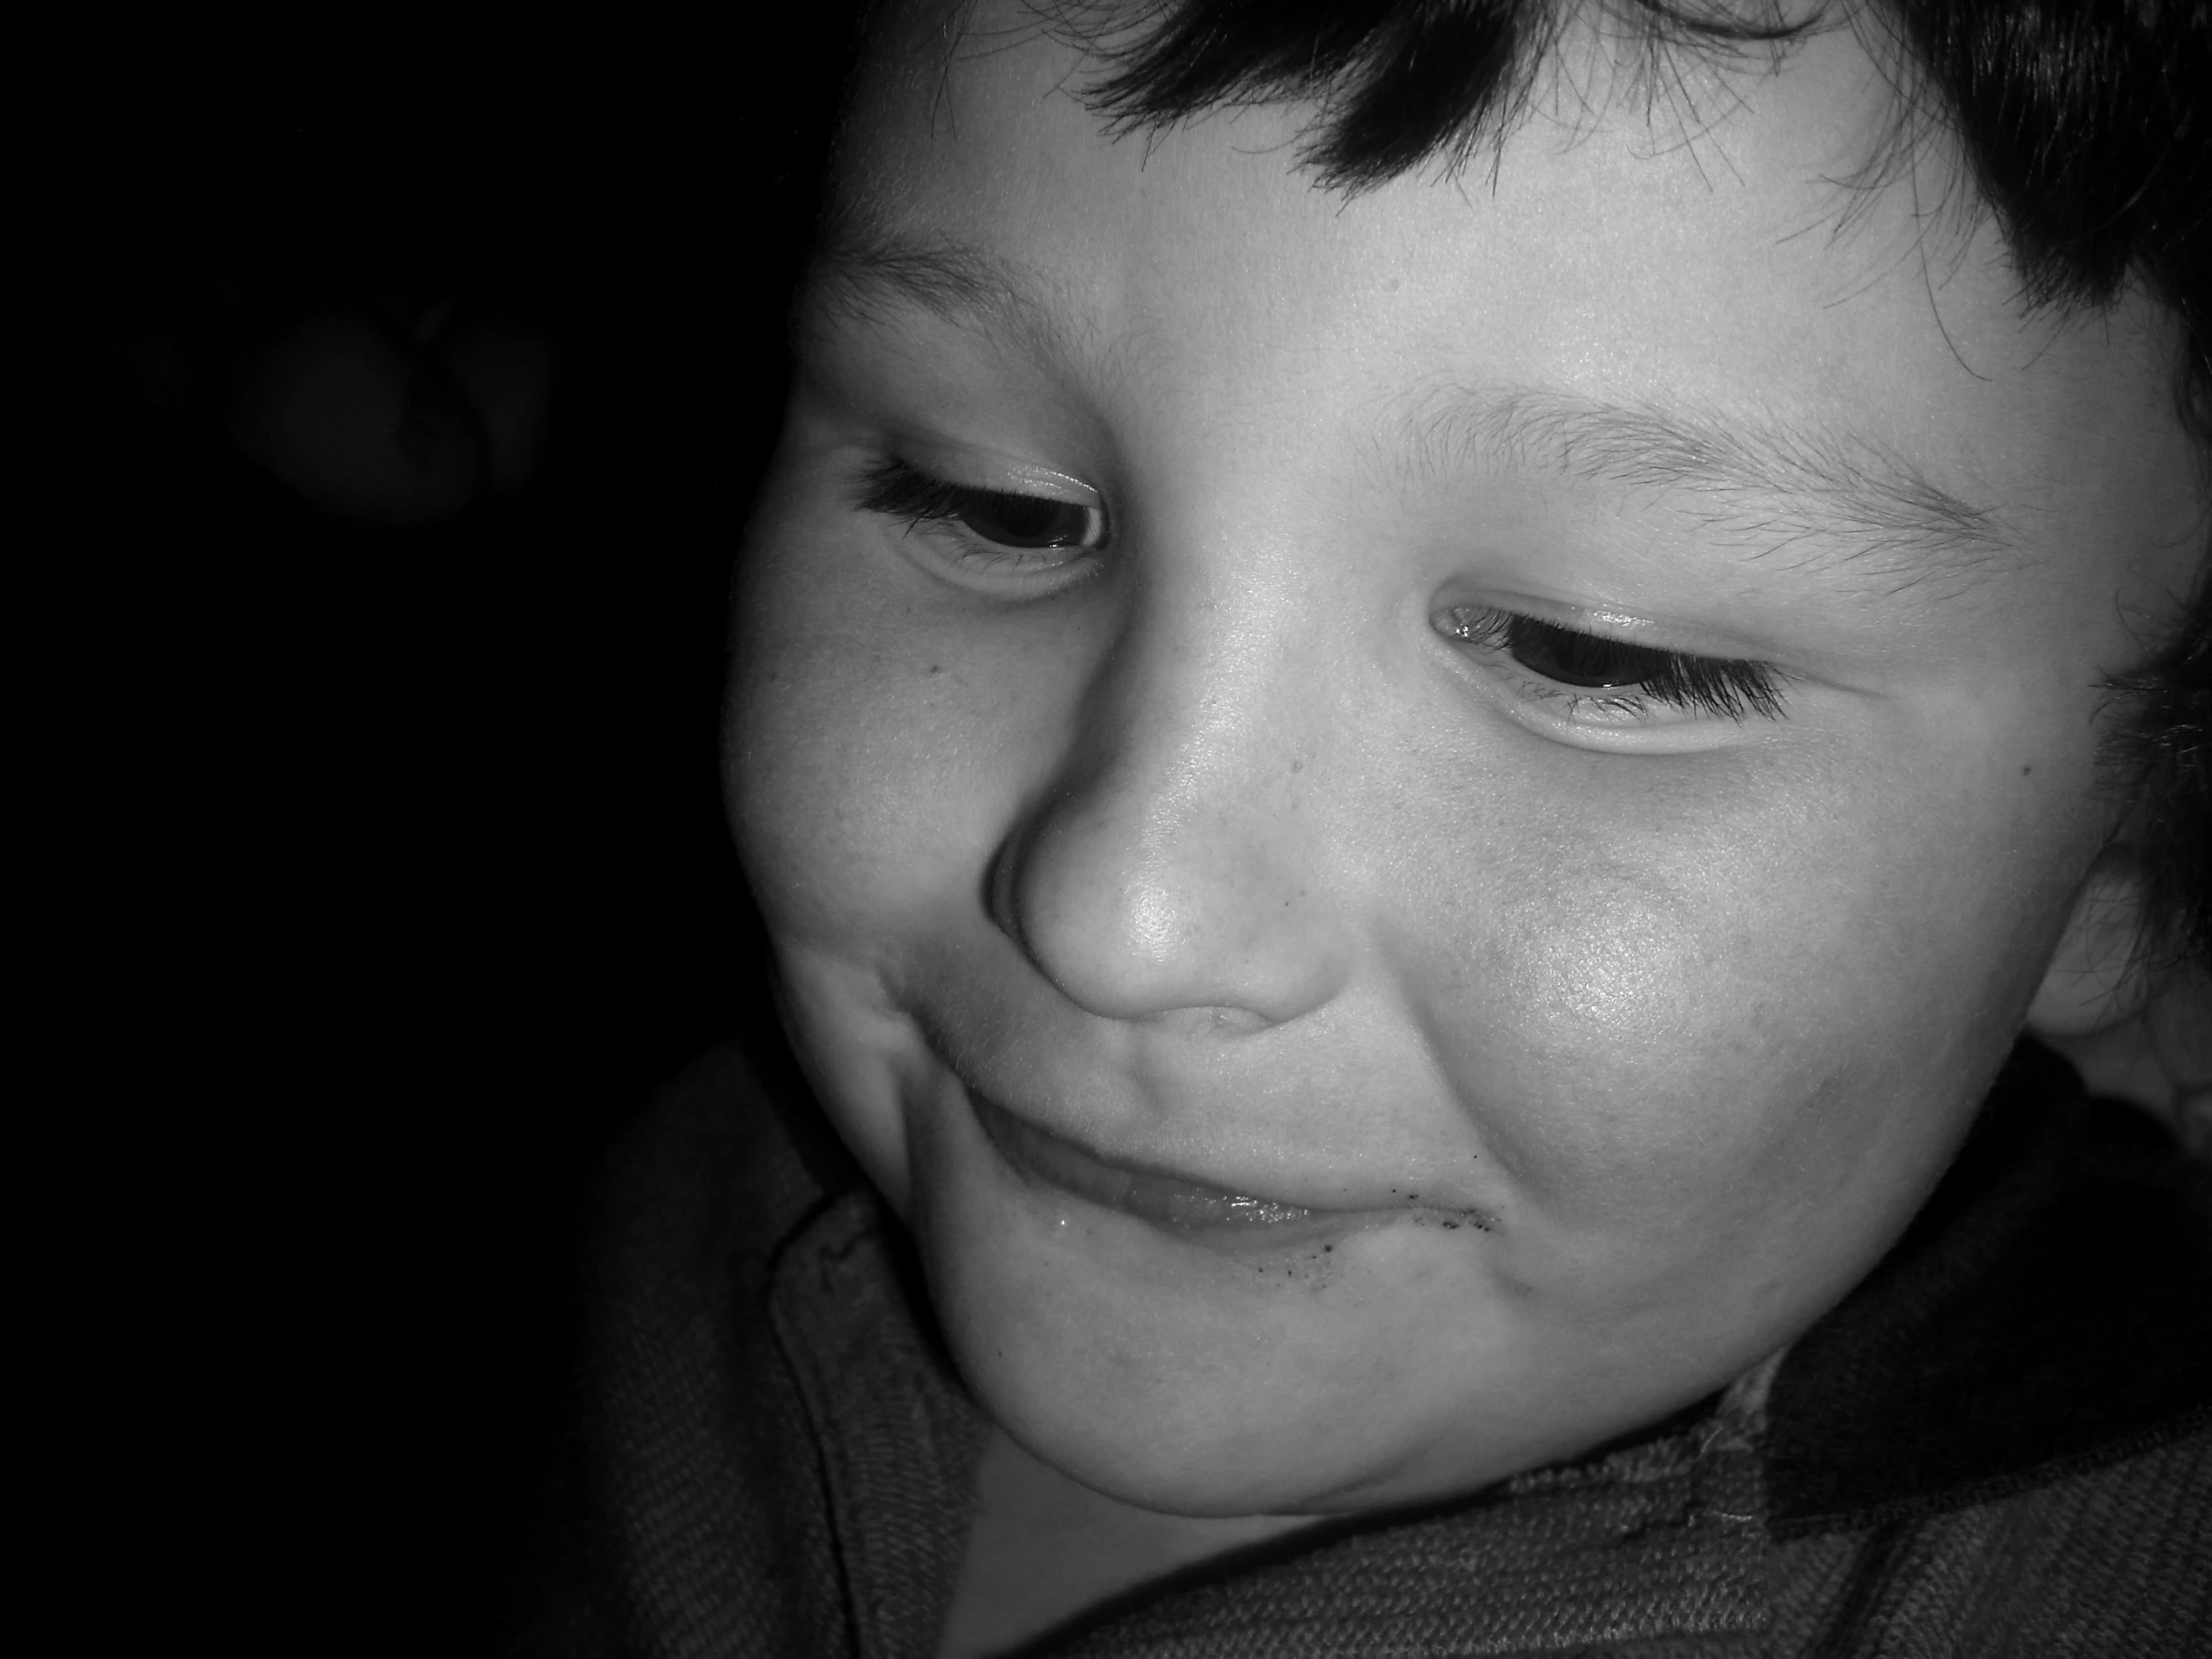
(1205, 1213)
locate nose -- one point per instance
(1178, 862)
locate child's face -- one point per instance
(1608, 1039)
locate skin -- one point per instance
(1215, 852)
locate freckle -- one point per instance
(2024, 771)
(937, 668)
(1298, 765)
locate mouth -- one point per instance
(1208, 1215)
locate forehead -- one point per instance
(1693, 250)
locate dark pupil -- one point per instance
(1025, 520)
(1575, 659)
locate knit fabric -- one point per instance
(2000, 1444)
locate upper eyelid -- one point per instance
(941, 464)
(1624, 636)
(1676, 635)
(953, 488)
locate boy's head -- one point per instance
(1404, 807)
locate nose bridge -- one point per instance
(1175, 862)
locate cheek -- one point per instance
(1626, 1053)
(883, 732)
(1718, 1023)
(878, 745)
(841, 745)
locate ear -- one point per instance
(2135, 1028)
(2098, 976)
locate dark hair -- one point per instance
(2086, 127)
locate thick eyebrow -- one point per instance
(1817, 499)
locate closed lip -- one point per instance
(1181, 1202)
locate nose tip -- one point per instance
(1146, 904)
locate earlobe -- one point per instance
(2136, 1025)
(2098, 976)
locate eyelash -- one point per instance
(1727, 688)
(899, 490)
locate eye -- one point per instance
(1628, 679)
(997, 520)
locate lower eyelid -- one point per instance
(949, 553)
(1626, 707)
(981, 550)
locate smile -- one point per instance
(1210, 1215)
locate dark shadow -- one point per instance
(371, 878)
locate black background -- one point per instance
(369, 880)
